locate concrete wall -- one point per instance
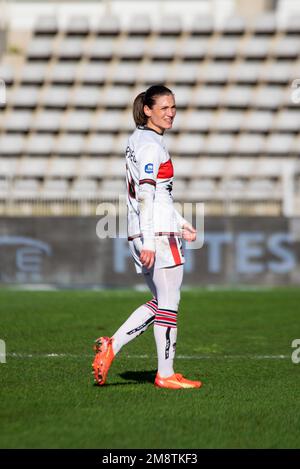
(66, 251)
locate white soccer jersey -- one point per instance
(152, 217)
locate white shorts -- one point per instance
(168, 252)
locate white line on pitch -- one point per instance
(180, 357)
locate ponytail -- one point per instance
(139, 116)
(147, 98)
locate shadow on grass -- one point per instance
(141, 376)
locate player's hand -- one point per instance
(147, 258)
(188, 232)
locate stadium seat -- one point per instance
(196, 120)
(279, 144)
(17, 121)
(92, 73)
(54, 189)
(92, 167)
(124, 73)
(11, 145)
(258, 121)
(224, 48)
(63, 73)
(276, 72)
(245, 72)
(187, 144)
(24, 97)
(162, 48)
(112, 188)
(255, 48)
(261, 189)
(123, 122)
(184, 167)
(5, 188)
(241, 167)
(99, 48)
(85, 97)
(115, 167)
(46, 25)
(77, 26)
(287, 121)
(40, 48)
(263, 24)
(69, 145)
(213, 72)
(237, 96)
(76, 121)
(210, 167)
(32, 167)
(231, 189)
(115, 97)
(131, 48)
(139, 25)
(47, 121)
(183, 74)
(99, 144)
(169, 25)
(192, 48)
(55, 97)
(227, 121)
(33, 73)
(26, 189)
(219, 144)
(233, 25)
(286, 48)
(39, 145)
(182, 95)
(249, 144)
(202, 25)
(153, 72)
(63, 168)
(206, 96)
(70, 48)
(120, 144)
(201, 189)
(84, 189)
(108, 25)
(268, 97)
(291, 26)
(8, 166)
(106, 121)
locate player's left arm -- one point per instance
(188, 232)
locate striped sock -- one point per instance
(165, 333)
(137, 323)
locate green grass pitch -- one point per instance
(237, 342)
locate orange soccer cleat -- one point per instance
(176, 381)
(103, 359)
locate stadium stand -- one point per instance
(64, 126)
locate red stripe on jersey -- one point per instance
(147, 181)
(165, 170)
(175, 252)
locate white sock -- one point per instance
(135, 325)
(165, 338)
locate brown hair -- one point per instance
(147, 98)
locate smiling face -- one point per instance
(162, 113)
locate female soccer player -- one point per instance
(155, 230)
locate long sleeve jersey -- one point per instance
(149, 176)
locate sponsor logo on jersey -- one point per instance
(149, 168)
